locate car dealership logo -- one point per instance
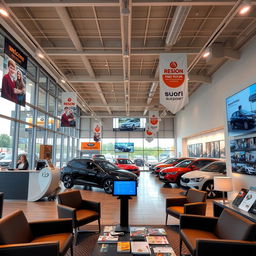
(173, 64)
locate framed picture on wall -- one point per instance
(222, 149)
(208, 149)
(217, 149)
(212, 149)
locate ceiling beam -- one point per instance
(113, 3)
(144, 52)
(200, 79)
(64, 16)
(117, 105)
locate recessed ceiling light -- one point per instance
(4, 12)
(206, 54)
(63, 81)
(40, 55)
(245, 7)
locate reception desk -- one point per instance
(29, 185)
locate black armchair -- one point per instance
(40, 238)
(71, 205)
(230, 234)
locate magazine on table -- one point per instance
(107, 239)
(240, 196)
(138, 233)
(123, 247)
(164, 251)
(140, 248)
(248, 201)
(156, 232)
(157, 240)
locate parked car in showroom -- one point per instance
(6, 160)
(203, 178)
(173, 174)
(127, 164)
(93, 172)
(168, 163)
(242, 119)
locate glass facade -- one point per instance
(24, 129)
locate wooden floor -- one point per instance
(147, 208)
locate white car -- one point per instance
(203, 179)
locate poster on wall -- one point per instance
(69, 104)
(124, 147)
(241, 112)
(154, 120)
(173, 78)
(97, 131)
(13, 86)
(243, 156)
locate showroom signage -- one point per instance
(173, 78)
(13, 86)
(90, 146)
(154, 120)
(96, 131)
(69, 106)
(149, 134)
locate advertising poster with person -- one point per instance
(69, 103)
(13, 84)
(97, 131)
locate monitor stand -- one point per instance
(124, 215)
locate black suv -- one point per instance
(93, 172)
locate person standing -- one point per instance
(65, 120)
(20, 89)
(8, 83)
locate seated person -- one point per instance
(22, 163)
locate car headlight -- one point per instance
(197, 179)
(172, 173)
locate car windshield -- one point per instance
(245, 112)
(214, 167)
(170, 161)
(124, 161)
(105, 165)
(184, 163)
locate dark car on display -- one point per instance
(168, 163)
(173, 174)
(93, 172)
(122, 147)
(127, 164)
(242, 119)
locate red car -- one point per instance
(127, 164)
(173, 174)
(168, 163)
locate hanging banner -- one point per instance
(13, 85)
(173, 78)
(69, 104)
(90, 146)
(97, 131)
(154, 120)
(149, 134)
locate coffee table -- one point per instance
(112, 247)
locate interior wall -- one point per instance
(206, 109)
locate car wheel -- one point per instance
(133, 127)
(209, 188)
(246, 126)
(108, 186)
(68, 181)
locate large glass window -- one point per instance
(30, 91)
(42, 99)
(40, 134)
(51, 105)
(58, 151)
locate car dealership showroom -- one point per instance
(127, 127)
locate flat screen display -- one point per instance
(241, 112)
(129, 124)
(124, 147)
(125, 188)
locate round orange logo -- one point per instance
(173, 64)
(173, 81)
(153, 120)
(149, 132)
(97, 128)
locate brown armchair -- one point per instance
(40, 238)
(193, 203)
(1, 203)
(230, 234)
(71, 205)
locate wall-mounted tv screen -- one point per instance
(243, 155)
(241, 112)
(125, 188)
(129, 124)
(124, 147)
